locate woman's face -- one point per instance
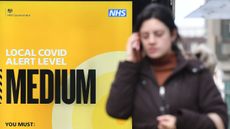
(156, 38)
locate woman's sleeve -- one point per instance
(120, 100)
(209, 101)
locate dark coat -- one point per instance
(190, 93)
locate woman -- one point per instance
(158, 87)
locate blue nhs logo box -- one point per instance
(117, 12)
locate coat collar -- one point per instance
(147, 71)
(192, 65)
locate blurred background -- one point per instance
(207, 22)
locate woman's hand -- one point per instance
(134, 48)
(166, 122)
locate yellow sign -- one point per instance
(48, 50)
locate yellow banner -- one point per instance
(49, 51)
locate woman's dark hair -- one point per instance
(161, 13)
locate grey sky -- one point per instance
(185, 7)
(189, 27)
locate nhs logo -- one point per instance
(117, 13)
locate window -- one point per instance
(225, 31)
